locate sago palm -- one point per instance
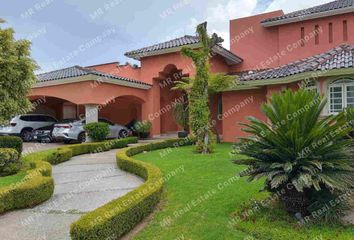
(297, 146)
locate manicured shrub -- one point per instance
(60, 155)
(96, 147)
(97, 131)
(36, 187)
(11, 142)
(78, 149)
(10, 162)
(143, 128)
(32, 190)
(299, 151)
(121, 143)
(119, 216)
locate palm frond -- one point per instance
(299, 146)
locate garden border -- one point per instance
(121, 215)
(38, 185)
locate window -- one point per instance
(330, 32)
(26, 118)
(341, 95)
(345, 30)
(50, 119)
(317, 37)
(105, 121)
(38, 118)
(302, 37)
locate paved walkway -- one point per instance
(82, 184)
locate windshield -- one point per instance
(69, 120)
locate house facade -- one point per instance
(311, 48)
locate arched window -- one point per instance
(341, 95)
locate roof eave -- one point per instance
(231, 59)
(251, 84)
(308, 17)
(92, 77)
(139, 56)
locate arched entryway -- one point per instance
(166, 80)
(56, 107)
(123, 110)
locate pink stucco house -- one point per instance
(269, 52)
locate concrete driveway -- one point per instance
(82, 184)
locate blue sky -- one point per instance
(86, 32)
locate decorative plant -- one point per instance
(97, 131)
(11, 142)
(298, 150)
(181, 114)
(10, 162)
(198, 89)
(143, 128)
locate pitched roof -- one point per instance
(327, 9)
(77, 71)
(187, 40)
(336, 58)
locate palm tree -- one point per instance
(298, 150)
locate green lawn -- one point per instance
(202, 194)
(198, 185)
(8, 180)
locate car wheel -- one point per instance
(26, 135)
(47, 140)
(82, 137)
(123, 133)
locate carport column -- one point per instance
(91, 116)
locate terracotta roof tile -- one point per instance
(337, 58)
(180, 42)
(331, 6)
(77, 71)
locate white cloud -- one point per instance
(218, 14)
(290, 5)
(232, 9)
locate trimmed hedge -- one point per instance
(10, 162)
(38, 185)
(11, 142)
(119, 216)
(61, 155)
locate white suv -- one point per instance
(23, 125)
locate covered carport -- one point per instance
(79, 92)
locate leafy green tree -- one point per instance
(199, 89)
(299, 147)
(16, 75)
